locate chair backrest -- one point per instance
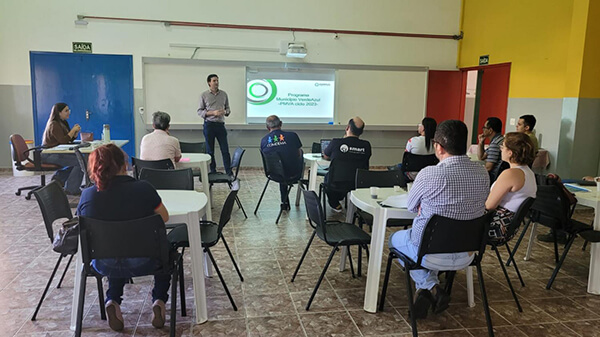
(19, 149)
(368, 178)
(495, 173)
(316, 148)
(113, 239)
(182, 179)
(83, 163)
(274, 168)
(227, 209)
(519, 216)
(54, 205)
(138, 164)
(236, 159)
(199, 147)
(316, 217)
(414, 163)
(342, 174)
(444, 236)
(551, 206)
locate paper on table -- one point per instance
(397, 201)
(184, 160)
(576, 188)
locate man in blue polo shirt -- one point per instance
(492, 129)
(289, 147)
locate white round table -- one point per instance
(200, 161)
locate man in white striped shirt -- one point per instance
(455, 188)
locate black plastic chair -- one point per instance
(20, 154)
(54, 205)
(113, 239)
(335, 233)
(224, 178)
(341, 177)
(138, 164)
(414, 163)
(274, 171)
(316, 148)
(211, 232)
(182, 179)
(83, 164)
(189, 147)
(513, 227)
(443, 236)
(495, 173)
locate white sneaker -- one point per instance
(337, 209)
(158, 314)
(114, 315)
(235, 185)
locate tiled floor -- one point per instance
(269, 304)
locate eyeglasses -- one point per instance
(485, 127)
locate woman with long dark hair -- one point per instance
(116, 197)
(59, 132)
(421, 144)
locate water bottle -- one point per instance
(106, 133)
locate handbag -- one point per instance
(66, 240)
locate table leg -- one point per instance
(197, 266)
(470, 288)
(594, 274)
(375, 257)
(312, 177)
(206, 189)
(76, 285)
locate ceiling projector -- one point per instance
(297, 50)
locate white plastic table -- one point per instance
(361, 198)
(68, 148)
(592, 199)
(315, 160)
(184, 207)
(199, 160)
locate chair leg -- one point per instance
(560, 262)
(386, 278)
(514, 251)
(515, 265)
(174, 298)
(241, 206)
(298, 195)
(65, 272)
(47, 287)
(181, 286)
(555, 244)
(486, 308)
(512, 290)
(449, 281)
(584, 245)
(531, 242)
(312, 296)
(232, 259)
(261, 196)
(101, 298)
(413, 319)
(359, 268)
(79, 323)
(350, 259)
(212, 259)
(303, 255)
(289, 188)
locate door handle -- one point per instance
(87, 115)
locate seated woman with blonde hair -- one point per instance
(514, 185)
(116, 197)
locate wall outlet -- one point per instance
(141, 110)
(512, 121)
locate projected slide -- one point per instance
(294, 101)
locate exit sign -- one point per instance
(82, 47)
(484, 60)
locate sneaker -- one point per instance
(114, 315)
(158, 314)
(285, 206)
(235, 185)
(549, 237)
(441, 300)
(337, 209)
(421, 305)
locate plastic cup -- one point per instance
(374, 191)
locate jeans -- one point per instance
(336, 193)
(428, 278)
(119, 271)
(283, 191)
(211, 131)
(70, 175)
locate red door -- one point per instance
(494, 94)
(446, 94)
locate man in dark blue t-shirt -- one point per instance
(289, 147)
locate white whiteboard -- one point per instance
(380, 95)
(176, 89)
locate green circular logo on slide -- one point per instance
(261, 92)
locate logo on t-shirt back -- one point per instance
(276, 140)
(344, 148)
(354, 150)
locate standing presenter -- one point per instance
(214, 107)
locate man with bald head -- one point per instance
(347, 155)
(289, 147)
